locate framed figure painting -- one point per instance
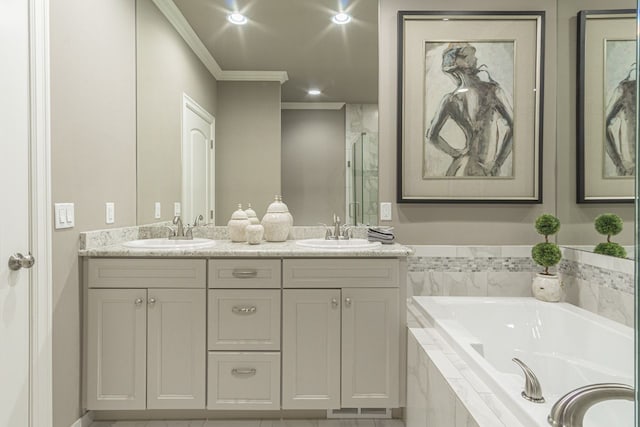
(470, 91)
(606, 105)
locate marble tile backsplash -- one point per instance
(597, 283)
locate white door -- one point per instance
(311, 349)
(14, 214)
(176, 349)
(370, 348)
(197, 162)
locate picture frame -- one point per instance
(605, 132)
(470, 97)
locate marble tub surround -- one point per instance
(443, 391)
(598, 283)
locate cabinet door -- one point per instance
(370, 348)
(176, 374)
(311, 349)
(116, 349)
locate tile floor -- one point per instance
(253, 423)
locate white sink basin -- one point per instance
(338, 244)
(165, 243)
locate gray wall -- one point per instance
(93, 155)
(247, 146)
(449, 223)
(167, 68)
(577, 219)
(313, 164)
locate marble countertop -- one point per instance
(109, 243)
(226, 248)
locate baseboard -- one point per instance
(85, 421)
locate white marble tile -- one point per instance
(434, 283)
(616, 305)
(588, 295)
(441, 404)
(434, 251)
(463, 417)
(444, 366)
(516, 251)
(479, 251)
(416, 409)
(509, 284)
(501, 412)
(416, 281)
(465, 283)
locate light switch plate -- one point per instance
(157, 213)
(110, 212)
(64, 215)
(385, 211)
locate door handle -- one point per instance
(18, 261)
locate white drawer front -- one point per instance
(241, 273)
(244, 319)
(341, 273)
(244, 381)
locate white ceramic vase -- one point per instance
(251, 214)
(254, 233)
(276, 222)
(237, 225)
(546, 287)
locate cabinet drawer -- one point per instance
(244, 319)
(146, 273)
(240, 273)
(244, 381)
(338, 273)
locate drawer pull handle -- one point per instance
(245, 274)
(246, 372)
(244, 310)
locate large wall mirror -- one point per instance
(577, 219)
(237, 124)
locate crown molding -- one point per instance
(261, 76)
(179, 22)
(311, 105)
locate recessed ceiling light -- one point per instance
(314, 92)
(341, 18)
(237, 18)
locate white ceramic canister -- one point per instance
(546, 287)
(254, 233)
(253, 218)
(276, 222)
(237, 225)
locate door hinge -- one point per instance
(211, 214)
(211, 143)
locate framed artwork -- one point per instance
(470, 94)
(606, 106)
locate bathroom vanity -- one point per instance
(240, 327)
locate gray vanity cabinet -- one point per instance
(340, 342)
(145, 345)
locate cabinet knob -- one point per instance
(138, 301)
(152, 301)
(347, 302)
(334, 302)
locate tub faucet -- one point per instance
(532, 390)
(569, 410)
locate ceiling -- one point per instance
(296, 36)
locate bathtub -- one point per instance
(566, 346)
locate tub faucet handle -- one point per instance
(532, 390)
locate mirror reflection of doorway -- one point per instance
(198, 162)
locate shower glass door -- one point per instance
(363, 201)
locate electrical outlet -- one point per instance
(157, 211)
(110, 212)
(177, 210)
(385, 211)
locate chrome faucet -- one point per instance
(182, 233)
(337, 232)
(570, 409)
(532, 390)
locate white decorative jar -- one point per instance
(251, 214)
(254, 233)
(237, 225)
(546, 287)
(277, 221)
